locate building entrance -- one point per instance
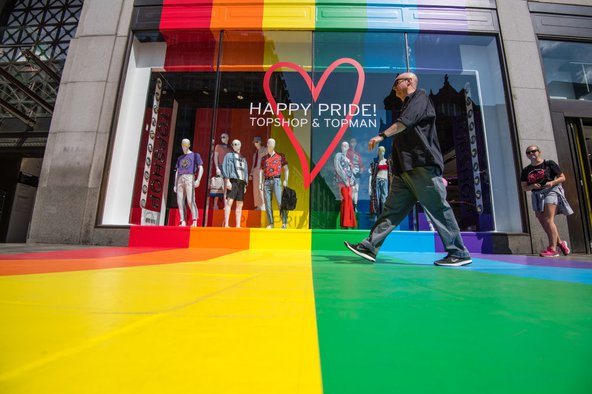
(580, 143)
(573, 136)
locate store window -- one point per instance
(179, 106)
(246, 113)
(358, 70)
(320, 96)
(568, 69)
(463, 76)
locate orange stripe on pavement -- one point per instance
(169, 256)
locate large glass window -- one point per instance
(321, 96)
(357, 71)
(463, 76)
(568, 69)
(246, 113)
(179, 106)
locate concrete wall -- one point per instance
(68, 193)
(570, 2)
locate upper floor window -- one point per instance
(568, 69)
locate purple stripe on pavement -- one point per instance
(537, 261)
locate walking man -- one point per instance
(418, 167)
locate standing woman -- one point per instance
(544, 178)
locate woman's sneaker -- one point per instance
(549, 252)
(564, 248)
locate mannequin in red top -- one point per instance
(344, 176)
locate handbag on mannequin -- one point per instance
(216, 185)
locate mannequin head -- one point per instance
(352, 143)
(185, 143)
(236, 145)
(224, 138)
(344, 147)
(381, 150)
(257, 142)
(270, 145)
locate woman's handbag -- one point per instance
(216, 185)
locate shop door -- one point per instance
(573, 138)
(580, 140)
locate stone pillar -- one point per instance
(69, 187)
(531, 106)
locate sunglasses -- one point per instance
(528, 152)
(401, 79)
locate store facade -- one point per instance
(311, 91)
(313, 76)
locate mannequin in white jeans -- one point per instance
(186, 180)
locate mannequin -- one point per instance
(355, 159)
(188, 164)
(260, 151)
(220, 151)
(235, 172)
(378, 185)
(345, 180)
(272, 165)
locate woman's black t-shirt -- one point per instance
(541, 174)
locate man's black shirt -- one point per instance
(417, 145)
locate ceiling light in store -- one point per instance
(239, 96)
(205, 92)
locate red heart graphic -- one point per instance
(315, 90)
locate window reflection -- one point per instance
(568, 69)
(462, 74)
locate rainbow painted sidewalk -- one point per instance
(286, 313)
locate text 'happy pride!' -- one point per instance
(322, 109)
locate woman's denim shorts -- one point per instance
(550, 198)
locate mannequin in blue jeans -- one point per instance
(272, 166)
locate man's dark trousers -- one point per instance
(423, 184)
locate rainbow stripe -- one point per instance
(285, 317)
(192, 27)
(256, 15)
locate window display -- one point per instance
(319, 97)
